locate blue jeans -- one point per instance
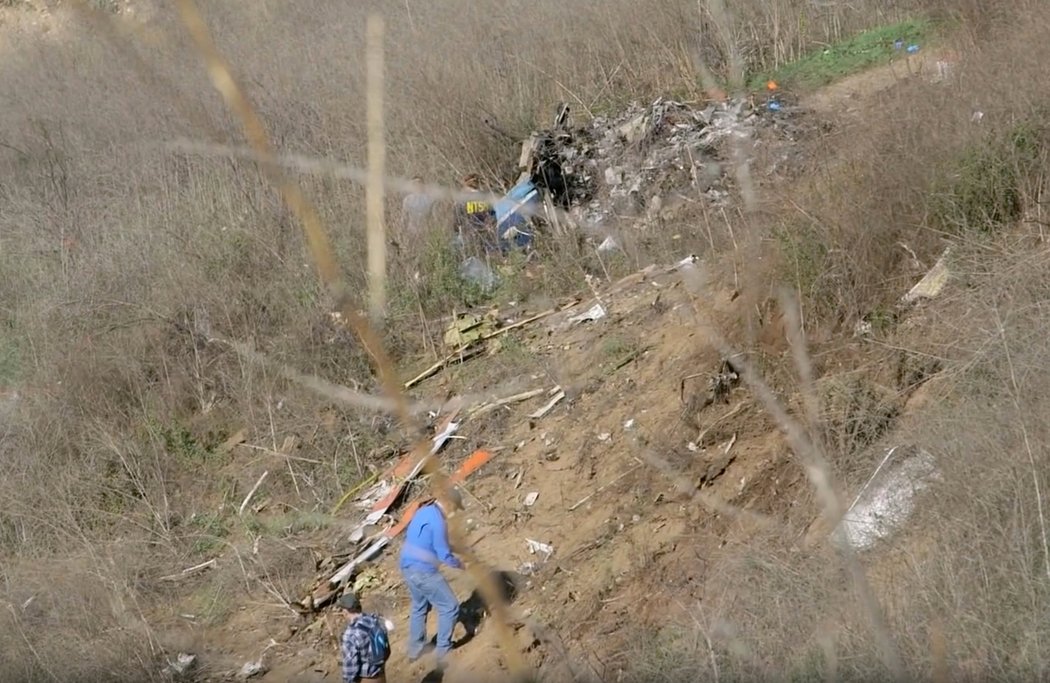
(430, 589)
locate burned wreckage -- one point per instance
(638, 164)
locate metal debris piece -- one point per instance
(182, 664)
(888, 498)
(595, 312)
(932, 283)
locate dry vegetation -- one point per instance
(120, 258)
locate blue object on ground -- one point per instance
(773, 105)
(898, 44)
(513, 213)
(912, 49)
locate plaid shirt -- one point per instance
(357, 649)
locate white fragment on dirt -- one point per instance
(389, 625)
(251, 493)
(932, 283)
(604, 436)
(888, 498)
(547, 407)
(251, 669)
(629, 424)
(595, 312)
(537, 547)
(189, 571)
(530, 499)
(184, 661)
(608, 244)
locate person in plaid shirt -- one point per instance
(364, 646)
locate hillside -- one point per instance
(714, 352)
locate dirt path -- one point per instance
(848, 95)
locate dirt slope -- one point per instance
(628, 545)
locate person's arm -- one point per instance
(441, 548)
(351, 658)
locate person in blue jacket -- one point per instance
(426, 548)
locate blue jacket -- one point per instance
(426, 542)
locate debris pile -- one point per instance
(630, 165)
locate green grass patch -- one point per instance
(864, 50)
(983, 189)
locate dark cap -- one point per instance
(349, 601)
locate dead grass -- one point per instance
(119, 260)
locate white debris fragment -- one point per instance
(595, 312)
(537, 547)
(183, 663)
(628, 424)
(932, 283)
(604, 436)
(530, 499)
(251, 669)
(608, 244)
(886, 501)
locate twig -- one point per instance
(190, 571)
(549, 405)
(603, 487)
(248, 498)
(731, 413)
(289, 456)
(346, 496)
(516, 398)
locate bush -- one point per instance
(985, 190)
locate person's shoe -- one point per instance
(427, 649)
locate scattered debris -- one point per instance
(608, 244)
(471, 349)
(402, 477)
(182, 665)
(595, 312)
(530, 499)
(473, 463)
(537, 547)
(647, 162)
(629, 424)
(467, 329)
(977, 117)
(879, 510)
(932, 283)
(604, 436)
